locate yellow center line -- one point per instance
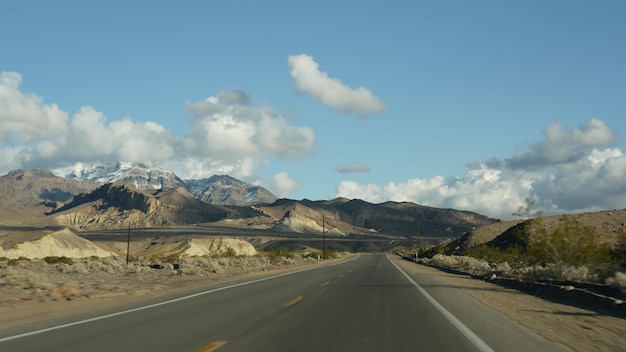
(325, 283)
(212, 347)
(340, 276)
(293, 301)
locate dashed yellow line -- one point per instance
(340, 276)
(293, 301)
(212, 347)
(324, 284)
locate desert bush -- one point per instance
(618, 280)
(25, 279)
(56, 260)
(570, 245)
(107, 265)
(138, 269)
(76, 268)
(534, 272)
(502, 267)
(224, 261)
(230, 252)
(463, 263)
(18, 262)
(619, 252)
(513, 255)
(190, 270)
(575, 273)
(67, 291)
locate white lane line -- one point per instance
(8, 338)
(463, 329)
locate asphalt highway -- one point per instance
(364, 304)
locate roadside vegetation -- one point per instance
(570, 251)
(34, 274)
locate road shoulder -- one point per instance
(579, 329)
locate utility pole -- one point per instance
(128, 245)
(323, 237)
(417, 251)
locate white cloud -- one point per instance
(308, 79)
(282, 185)
(566, 173)
(23, 116)
(351, 168)
(231, 132)
(228, 135)
(564, 146)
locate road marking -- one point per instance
(212, 347)
(463, 329)
(293, 301)
(62, 326)
(340, 276)
(324, 284)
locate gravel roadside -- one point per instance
(579, 329)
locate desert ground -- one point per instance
(71, 293)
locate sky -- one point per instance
(471, 105)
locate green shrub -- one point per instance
(57, 260)
(570, 244)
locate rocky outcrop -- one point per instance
(118, 205)
(64, 243)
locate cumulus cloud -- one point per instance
(228, 135)
(282, 185)
(23, 117)
(564, 146)
(308, 79)
(568, 172)
(351, 168)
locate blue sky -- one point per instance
(472, 105)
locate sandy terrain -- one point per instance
(580, 329)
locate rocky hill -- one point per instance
(37, 186)
(345, 217)
(115, 205)
(608, 224)
(62, 243)
(226, 190)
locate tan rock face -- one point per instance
(62, 243)
(218, 246)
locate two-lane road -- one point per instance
(365, 304)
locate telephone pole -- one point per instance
(323, 237)
(417, 251)
(128, 245)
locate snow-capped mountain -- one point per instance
(141, 175)
(226, 190)
(217, 189)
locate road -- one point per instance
(365, 304)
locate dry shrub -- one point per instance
(618, 280)
(466, 264)
(76, 268)
(25, 279)
(67, 291)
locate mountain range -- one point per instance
(109, 196)
(217, 189)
